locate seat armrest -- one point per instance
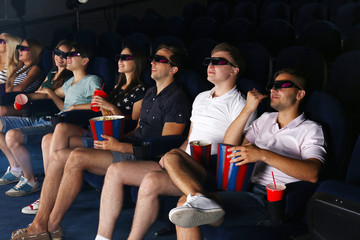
(79, 117)
(152, 148)
(297, 195)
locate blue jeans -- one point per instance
(246, 208)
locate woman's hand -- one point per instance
(101, 102)
(109, 143)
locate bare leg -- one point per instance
(80, 159)
(45, 148)
(4, 148)
(14, 141)
(49, 191)
(187, 174)
(187, 233)
(112, 196)
(64, 136)
(154, 184)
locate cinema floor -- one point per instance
(80, 222)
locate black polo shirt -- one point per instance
(170, 105)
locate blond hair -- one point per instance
(11, 59)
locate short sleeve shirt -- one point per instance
(300, 139)
(170, 105)
(82, 91)
(211, 116)
(126, 102)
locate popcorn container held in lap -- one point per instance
(107, 125)
(201, 151)
(228, 176)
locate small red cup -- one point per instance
(101, 93)
(201, 151)
(20, 101)
(275, 194)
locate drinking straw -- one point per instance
(273, 179)
(102, 88)
(21, 100)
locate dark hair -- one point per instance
(65, 73)
(139, 57)
(236, 55)
(83, 48)
(300, 77)
(178, 57)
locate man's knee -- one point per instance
(78, 158)
(61, 128)
(150, 184)
(114, 172)
(45, 142)
(13, 138)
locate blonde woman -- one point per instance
(26, 77)
(8, 59)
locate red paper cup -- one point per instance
(275, 194)
(201, 151)
(107, 125)
(20, 101)
(100, 93)
(228, 176)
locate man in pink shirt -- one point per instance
(283, 142)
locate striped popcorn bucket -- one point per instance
(201, 151)
(228, 176)
(107, 125)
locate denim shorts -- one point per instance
(119, 156)
(245, 208)
(32, 129)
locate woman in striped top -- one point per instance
(27, 75)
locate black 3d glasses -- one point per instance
(61, 54)
(217, 61)
(282, 84)
(74, 54)
(2, 41)
(160, 59)
(22, 48)
(124, 57)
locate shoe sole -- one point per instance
(29, 212)
(6, 183)
(21, 194)
(190, 217)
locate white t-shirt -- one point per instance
(211, 116)
(300, 139)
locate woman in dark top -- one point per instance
(125, 99)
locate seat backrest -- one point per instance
(127, 24)
(258, 62)
(277, 10)
(323, 36)
(192, 82)
(151, 25)
(238, 30)
(276, 34)
(87, 36)
(219, 11)
(193, 10)
(138, 39)
(246, 10)
(347, 16)
(166, 39)
(109, 45)
(306, 59)
(204, 27)
(105, 69)
(328, 111)
(353, 173)
(310, 12)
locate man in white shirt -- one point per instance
(213, 111)
(284, 142)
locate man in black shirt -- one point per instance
(165, 111)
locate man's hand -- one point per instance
(245, 154)
(253, 99)
(109, 143)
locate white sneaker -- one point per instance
(10, 177)
(23, 188)
(197, 210)
(32, 208)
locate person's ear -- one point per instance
(300, 95)
(85, 61)
(235, 71)
(174, 70)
